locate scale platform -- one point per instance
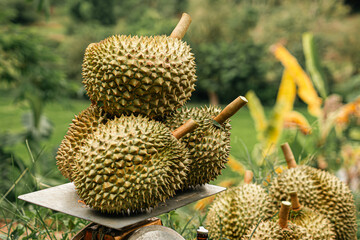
(63, 198)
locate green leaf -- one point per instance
(313, 64)
(17, 233)
(216, 124)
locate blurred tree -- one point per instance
(93, 10)
(228, 70)
(228, 60)
(32, 72)
(18, 11)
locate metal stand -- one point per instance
(95, 231)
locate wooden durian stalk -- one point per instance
(231, 109)
(295, 204)
(187, 127)
(289, 156)
(284, 214)
(182, 26)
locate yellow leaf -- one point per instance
(269, 177)
(257, 114)
(235, 165)
(284, 103)
(275, 127)
(295, 119)
(350, 109)
(306, 90)
(201, 204)
(287, 91)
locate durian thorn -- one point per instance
(289, 156)
(284, 214)
(93, 103)
(231, 109)
(187, 127)
(248, 176)
(295, 204)
(182, 26)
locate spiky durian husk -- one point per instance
(82, 125)
(319, 227)
(148, 75)
(208, 144)
(129, 164)
(321, 191)
(270, 230)
(235, 211)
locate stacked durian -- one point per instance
(327, 209)
(124, 153)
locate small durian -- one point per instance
(280, 230)
(317, 190)
(209, 144)
(152, 76)
(236, 210)
(130, 164)
(82, 125)
(315, 223)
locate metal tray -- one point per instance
(63, 198)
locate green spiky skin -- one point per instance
(208, 145)
(235, 211)
(128, 165)
(148, 75)
(319, 227)
(82, 125)
(270, 230)
(321, 191)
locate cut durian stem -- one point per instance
(182, 26)
(231, 109)
(248, 176)
(189, 126)
(289, 156)
(284, 214)
(295, 204)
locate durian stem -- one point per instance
(289, 156)
(295, 204)
(284, 214)
(231, 109)
(182, 26)
(248, 176)
(187, 127)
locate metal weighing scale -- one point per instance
(64, 199)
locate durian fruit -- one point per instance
(236, 210)
(152, 76)
(209, 144)
(83, 125)
(280, 230)
(315, 223)
(129, 164)
(317, 190)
